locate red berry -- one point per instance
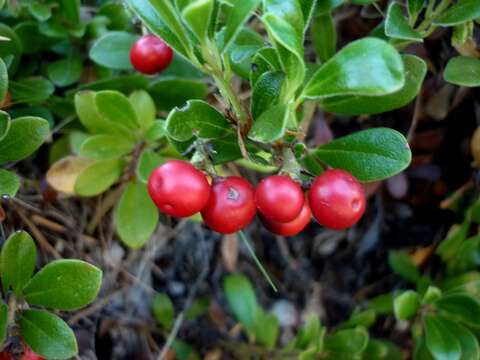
(290, 228)
(337, 199)
(5, 355)
(279, 198)
(29, 354)
(178, 188)
(150, 54)
(231, 206)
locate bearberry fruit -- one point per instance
(279, 198)
(337, 199)
(150, 54)
(231, 206)
(178, 188)
(290, 228)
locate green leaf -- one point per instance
(105, 147)
(352, 341)
(156, 131)
(461, 306)
(468, 341)
(47, 335)
(149, 160)
(266, 329)
(163, 310)
(406, 305)
(11, 49)
(241, 52)
(448, 248)
(115, 107)
(144, 107)
(382, 304)
(324, 36)
(271, 125)
(440, 341)
(462, 11)
(197, 15)
(26, 134)
(368, 66)
(112, 50)
(369, 155)
(9, 183)
(310, 336)
(136, 216)
(265, 59)
(65, 72)
(364, 318)
(32, 90)
(123, 83)
(171, 92)
(266, 92)
(196, 118)
(163, 22)
(3, 82)
(40, 11)
(3, 322)
(402, 264)
(241, 299)
(415, 71)
(238, 14)
(98, 177)
(463, 71)
(397, 26)
(4, 124)
(184, 351)
(64, 285)
(17, 261)
(414, 8)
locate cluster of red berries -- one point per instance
(336, 199)
(150, 55)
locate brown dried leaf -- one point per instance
(62, 175)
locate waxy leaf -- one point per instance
(160, 23)
(196, 118)
(3, 82)
(4, 124)
(415, 71)
(171, 92)
(163, 310)
(241, 299)
(116, 108)
(351, 341)
(149, 160)
(47, 335)
(463, 71)
(98, 177)
(144, 107)
(242, 51)
(462, 11)
(66, 71)
(9, 183)
(368, 66)
(63, 174)
(468, 341)
(397, 26)
(439, 339)
(3, 322)
(461, 306)
(197, 15)
(402, 264)
(238, 14)
(25, 135)
(64, 285)
(266, 92)
(104, 147)
(112, 50)
(406, 305)
(415, 7)
(17, 261)
(271, 125)
(324, 36)
(369, 155)
(136, 216)
(32, 90)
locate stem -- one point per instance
(229, 94)
(257, 261)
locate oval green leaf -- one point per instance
(64, 285)
(104, 147)
(397, 26)
(112, 50)
(463, 71)
(9, 183)
(241, 299)
(98, 177)
(462, 11)
(439, 340)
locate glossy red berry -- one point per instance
(231, 206)
(337, 199)
(279, 198)
(290, 228)
(5, 355)
(28, 354)
(150, 54)
(178, 188)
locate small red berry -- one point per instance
(178, 188)
(290, 228)
(5, 355)
(28, 354)
(150, 54)
(337, 199)
(279, 198)
(231, 206)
